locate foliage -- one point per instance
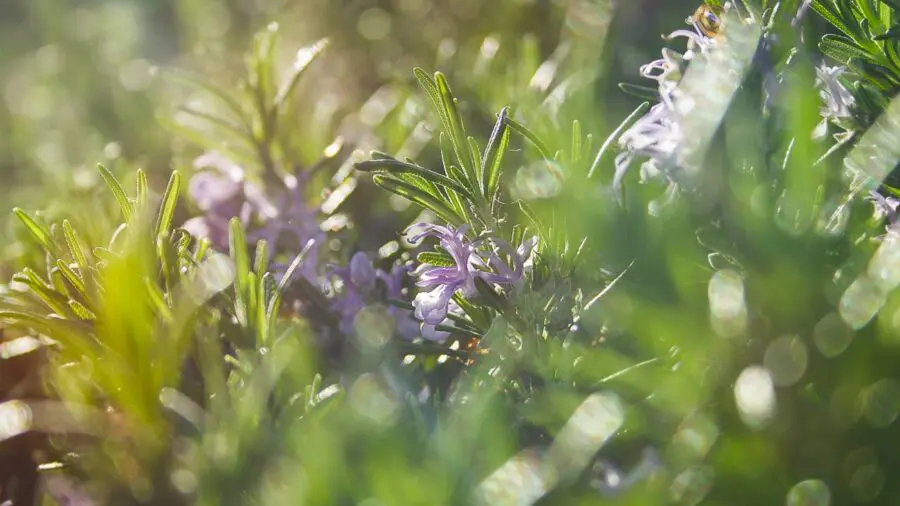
(701, 308)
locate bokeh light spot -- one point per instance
(727, 309)
(691, 486)
(832, 336)
(374, 327)
(881, 402)
(15, 418)
(540, 180)
(754, 393)
(373, 401)
(374, 24)
(860, 302)
(786, 358)
(809, 493)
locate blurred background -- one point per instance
(78, 84)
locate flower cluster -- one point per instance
(885, 207)
(837, 101)
(359, 287)
(471, 260)
(659, 135)
(283, 218)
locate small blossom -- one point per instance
(441, 282)
(885, 207)
(659, 135)
(352, 298)
(285, 221)
(431, 333)
(407, 325)
(836, 98)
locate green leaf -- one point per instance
(531, 137)
(57, 302)
(457, 128)
(445, 106)
(436, 258)
(821, 7)
(842, 49)
(38, 231)
(76, 248)
(200, 82)
(396, 167)
(275, 301)
(167, 207)
(72, 278)
(414, 194)
(615, 135)
(141, 188)
(261, 260)
(237, 244)
(58, 282)
(80, 311)
(305, 56)
(892, 33)
(642, 92)
(118, 192)
(493, 155)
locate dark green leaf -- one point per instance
(493, 155)
(396, 167)
(833, 17)
(414, 194)
(892, 33)
(842, 49)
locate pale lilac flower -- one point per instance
(837, 100)
(290, 224)
(353, 295)
(282, 216)
(359, 286)
(218, 190)
(659, 135)
(470, 260)
(885, 207)
(668, 70)
(407, 325)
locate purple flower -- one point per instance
(291, 223)
(407, 325)
(885, 207)
(659, 135)
(285, 220)
(837, 100)
(352, 298)
(470, 261)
